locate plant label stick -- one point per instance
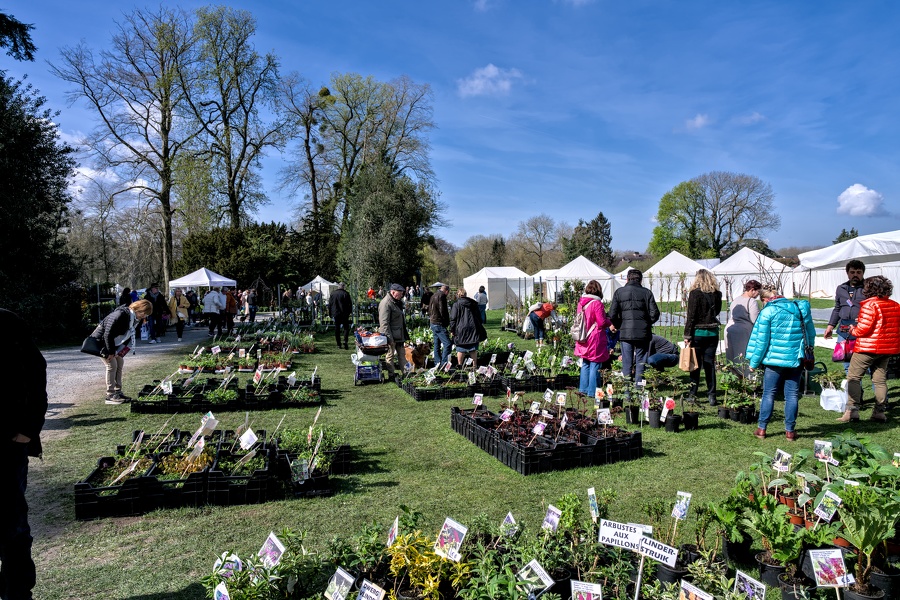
(592, 502)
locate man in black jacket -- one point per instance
(633, 312)
(340, 307)
(26, 404)
(155, 322)
(439, 317)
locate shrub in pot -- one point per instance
(866, 527)
(781, 542)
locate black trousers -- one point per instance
(339, 324)
(17, 575)
(706, 356)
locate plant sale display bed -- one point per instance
(208, 395)
(582, 443)
(160, 473)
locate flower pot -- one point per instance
(667, 574)
(734, 414)
(562, 582)
(768, 574)
(689, 553)
(632, 415)
(654, 419)
(790, 501)
(723, 412)
(748, 415)
(889, 583)
(851, 594)
(673, 423)
(841, 542)
(690, 420)
(791, 589)
(737, 552)
(796, 519)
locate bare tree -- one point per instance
(478, 252)
(536, 237)
(735, 207)
(227, 91)
(133, 88)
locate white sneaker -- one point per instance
(114, 399)
(179, 339)
(153, 342)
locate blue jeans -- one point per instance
(538, 324)
(634, 354)
(587, 384)
(441, 344)
(773, 378)
(482, 308)
(663, 361)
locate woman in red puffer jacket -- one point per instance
(877, 339)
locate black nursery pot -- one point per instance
(632, 415)
(723, 412)
(734, 414)
(768, 574)
(673, 423)
(889, 583)
(654, 418)
(667, 574)
(690, 420)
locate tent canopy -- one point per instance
(202, 277)
(321, 285)
(747, 264)
(580, 269)
(669, 278)
(503, 285)
(871, 249)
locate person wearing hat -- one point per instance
(439, 317)
(340, 307)
(392, 324)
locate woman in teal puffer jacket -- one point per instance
(780, 335)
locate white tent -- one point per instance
(821, 271)
(540, 280)
(746, 264)
(321, 285)
(580, 269)
(503, 285)
(202, 278)
(669, 278)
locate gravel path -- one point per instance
(75, 379)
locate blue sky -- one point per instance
(572, 107)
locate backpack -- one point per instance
(579, 330)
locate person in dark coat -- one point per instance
(340, 307)
(466, 327)
(439, 318)
(26, 405)
(117, 328)
(633, 312)
(155, 321)
(125, 297)
(427, 295)
(701, 329)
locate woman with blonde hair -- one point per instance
(116, 329)
(180, 308)
(701, 329)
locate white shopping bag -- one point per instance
(833, 399)
(145, 332)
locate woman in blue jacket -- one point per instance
(779, 338)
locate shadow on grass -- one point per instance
(195, 591)
(81, 420)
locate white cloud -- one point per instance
(488, 81)
(750, 119)
(698, 122)
(859, 201)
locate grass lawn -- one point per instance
(407, 454)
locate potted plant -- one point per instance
(780, 540)
(867, 526)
